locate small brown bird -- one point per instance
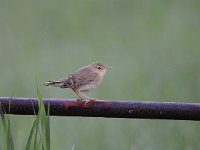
(82, 80)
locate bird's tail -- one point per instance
(54, 83)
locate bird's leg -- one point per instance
(85, 95)
(90, 99)
(78, 94)
(82, 96)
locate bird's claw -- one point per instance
(78, 100)
(91, 100)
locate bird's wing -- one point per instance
(67, 83)
(85, 74)
(73, 82)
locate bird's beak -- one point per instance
(108, 67)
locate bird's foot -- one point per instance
(91, 100)
(80, 99)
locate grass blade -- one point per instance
(42, 116)
(9, 136)
(33, 129)
(48, 128)
(40, 131)
(8, 139)
(4, 124)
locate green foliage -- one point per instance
(6, 130)
(39, 135)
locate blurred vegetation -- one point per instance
(153, 47)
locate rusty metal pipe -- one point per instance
(104, 108)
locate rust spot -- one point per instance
(74, 103)
(84, 103)
(80, 103)
(99, 102)
(69, 104)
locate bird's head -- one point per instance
(100, 67)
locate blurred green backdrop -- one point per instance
(153, 47)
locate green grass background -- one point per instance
(153, 47)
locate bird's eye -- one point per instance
(99, 68)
